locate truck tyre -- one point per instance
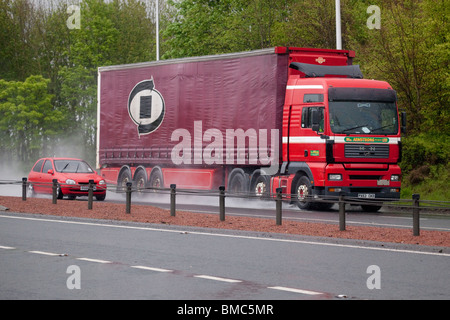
(370, 208)
(140, 180)
(124, 178)
(238, 181)
(261, 187)
(156, 179)
(302, 192)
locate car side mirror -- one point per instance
(50, 171)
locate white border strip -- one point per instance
(304, 139)
(304, 87)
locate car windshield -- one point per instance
(72, 166)
(355, 117)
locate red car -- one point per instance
(73, 177)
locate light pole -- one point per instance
(157, 30)
(338, 25)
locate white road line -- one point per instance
(151, 269)
(217, 278)
(328, 244)
(45, 253)
(308, 292)
(6, 248)
(94, 260)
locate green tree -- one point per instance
(411, 52)
(28, 120)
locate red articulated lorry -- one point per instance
(300, 119)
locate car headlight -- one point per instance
(102, 182)
(70, 181)
(395, 177)
(335, 176)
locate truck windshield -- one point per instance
(356, 117)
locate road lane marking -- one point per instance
(94, 260)
(6, 248)
(151, 269)
(308, 292)
(202, 276)
(45, 253)
(105, 225)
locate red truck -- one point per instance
(300, 119)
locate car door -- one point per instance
(47, 176)
(35, 175)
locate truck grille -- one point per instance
(366, 151)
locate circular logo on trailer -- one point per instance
(146, 107)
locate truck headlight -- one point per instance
(335, 176)
(395, 177)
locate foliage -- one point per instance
(27, 118)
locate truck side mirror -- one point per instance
(315, 121)
(403, 119)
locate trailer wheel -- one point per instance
(140, 179)
(303, 192)
(238, 181)
(156, 179)
(122, 181)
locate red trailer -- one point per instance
(299, 119)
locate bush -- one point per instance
(424, 150)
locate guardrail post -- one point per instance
(128, 198)
(416, 214)
(90, 194)
(173, 193)
(54, 190)
(24, 189)
(278, 207)
(222, 203)
(341, 213)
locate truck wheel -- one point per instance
(261, 187)
(156, 180)
(370, 208)
(238, 182)
(302, 192)
(124, 178)
(140, 179)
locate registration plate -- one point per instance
(366, 195)
(86, 188)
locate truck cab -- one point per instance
(341, 136)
